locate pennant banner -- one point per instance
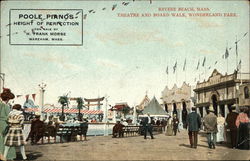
(34, 97)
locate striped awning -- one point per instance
(31, 109)
(59, 110)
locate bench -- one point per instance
(66, 133)
(138, 130)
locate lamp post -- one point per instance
(106, 116)
(41, 100)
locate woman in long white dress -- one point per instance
(169, 131)
(221, 128)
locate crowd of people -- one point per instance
(215, 127)
(234, 129)
(12, 125)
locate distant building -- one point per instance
(178, 101)
(143, 103)
(93, 103)
(222, 91)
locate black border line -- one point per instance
(80, 44)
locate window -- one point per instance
(246, 92)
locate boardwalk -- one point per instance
(134, 148)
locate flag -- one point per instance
(215, 62)
(198, 65)
(175, 66)
(226, 54)
(84, 16)
(18, 96)
(167, 70)
(204, 60)
(236, 48)
(27, 97)
(184, 66)
(34, 97)
(78, 12)
(114, 6)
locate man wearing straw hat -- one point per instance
(210, 124)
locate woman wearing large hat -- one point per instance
(5, 109)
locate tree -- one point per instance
(125, 110)
(80, 103)
(64, 101)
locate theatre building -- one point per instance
(178, 101)
(221, 91)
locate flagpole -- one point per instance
(227, 59)
(236, 43)
(176, 76)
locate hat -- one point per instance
(211, 108)
(37, 114)
(56, 119)
(6, 94)
(233, 107)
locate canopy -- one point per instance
(59, 110)
(154, 108)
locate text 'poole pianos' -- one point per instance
(47, 16)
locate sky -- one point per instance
(125, 57)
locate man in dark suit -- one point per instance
(147, 126)
(37, 129)
(230, 120)
(193, 123)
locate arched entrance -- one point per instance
(184, 114)
(166, 107)
(201, 111)
(175, 109)
(214, 103)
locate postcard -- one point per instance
(125, 69)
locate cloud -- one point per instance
(125, 37)
(56, 59)
(107, 63)
(204, 51)
(205, 23)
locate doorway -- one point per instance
(214, 102)
(184, 114)
(175, 109)
(166, 107)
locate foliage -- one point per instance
(125, 110)
(64, 101)
(80, 102)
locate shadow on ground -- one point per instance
(188, 145)
(30, 155)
